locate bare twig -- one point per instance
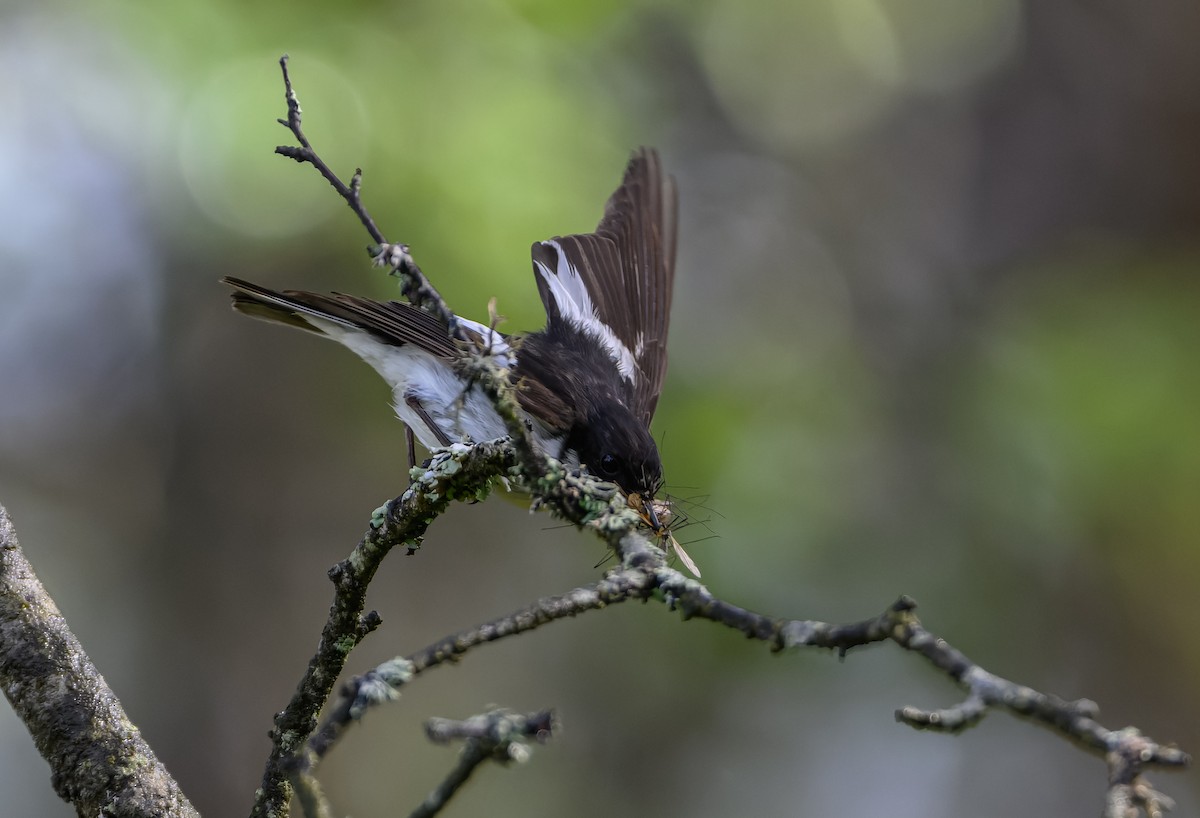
(473, 755)
(364, 692)
(496, 736)
(99, 761)
(414, 285)
(305, 153)
(499, 728)
(1128, 792)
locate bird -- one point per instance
(588, 382)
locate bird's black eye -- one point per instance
(608, 465)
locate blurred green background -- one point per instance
(936, 331)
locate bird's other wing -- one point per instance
(615, 284)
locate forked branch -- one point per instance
(467, 472)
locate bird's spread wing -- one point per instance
(615, 284)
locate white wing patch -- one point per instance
(575, 305)
(497, 347)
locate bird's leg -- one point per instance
(416, 406)
(411, 440)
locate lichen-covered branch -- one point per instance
(383, 683)
(99, 761)
(643, 575)
(457, 473)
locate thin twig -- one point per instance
(495, 736)
(497, 727)
(415, 286)
(1129, 792)
(363, 692)
(469, 760)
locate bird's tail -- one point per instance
(346, 318)
(288, 307)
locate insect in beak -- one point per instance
(657, 515)
(650, 514)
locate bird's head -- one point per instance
(616, 446)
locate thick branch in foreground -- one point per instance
(99, 761)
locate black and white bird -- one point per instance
(588, 382)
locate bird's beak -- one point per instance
(652, 515)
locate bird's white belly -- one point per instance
(413, 373)
(457, 412)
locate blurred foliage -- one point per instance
(935, 331)
(1089, 391)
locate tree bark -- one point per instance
(98, 759)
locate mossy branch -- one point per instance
(99, 762)
(457, 473)
(642, 574)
